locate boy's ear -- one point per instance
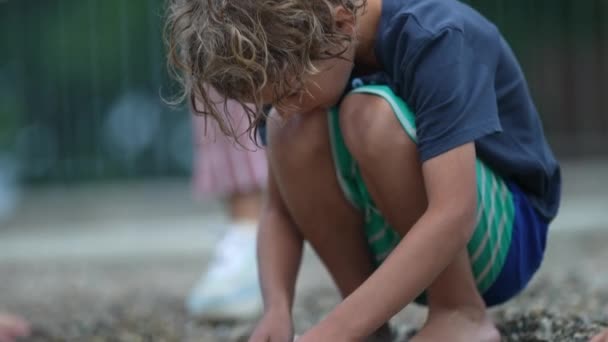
(345, 20)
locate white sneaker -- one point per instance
(229, 290)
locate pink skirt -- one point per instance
(221, 166)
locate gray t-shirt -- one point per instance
(464, 84)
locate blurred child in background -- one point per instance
(236, 174)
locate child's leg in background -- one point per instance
(245, 206)
(229, 290)
(300, 156)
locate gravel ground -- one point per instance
(141, 300)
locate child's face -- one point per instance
(321, 91)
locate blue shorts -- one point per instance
(528, 242)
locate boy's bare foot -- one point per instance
(12, 327)
(457, 326)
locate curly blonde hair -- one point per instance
(239, 47)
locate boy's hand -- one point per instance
(275, 326)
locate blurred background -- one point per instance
(93, 163)
(81, 84)
(85, 136)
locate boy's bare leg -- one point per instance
(300, 156)
(394, 179)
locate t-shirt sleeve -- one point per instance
(451, 90)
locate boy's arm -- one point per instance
(279, 251)
(428, 248)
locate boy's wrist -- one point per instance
(278, 306)
(342, 324)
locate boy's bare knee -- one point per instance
(369, 126)
(297, 138)
(356, 115)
